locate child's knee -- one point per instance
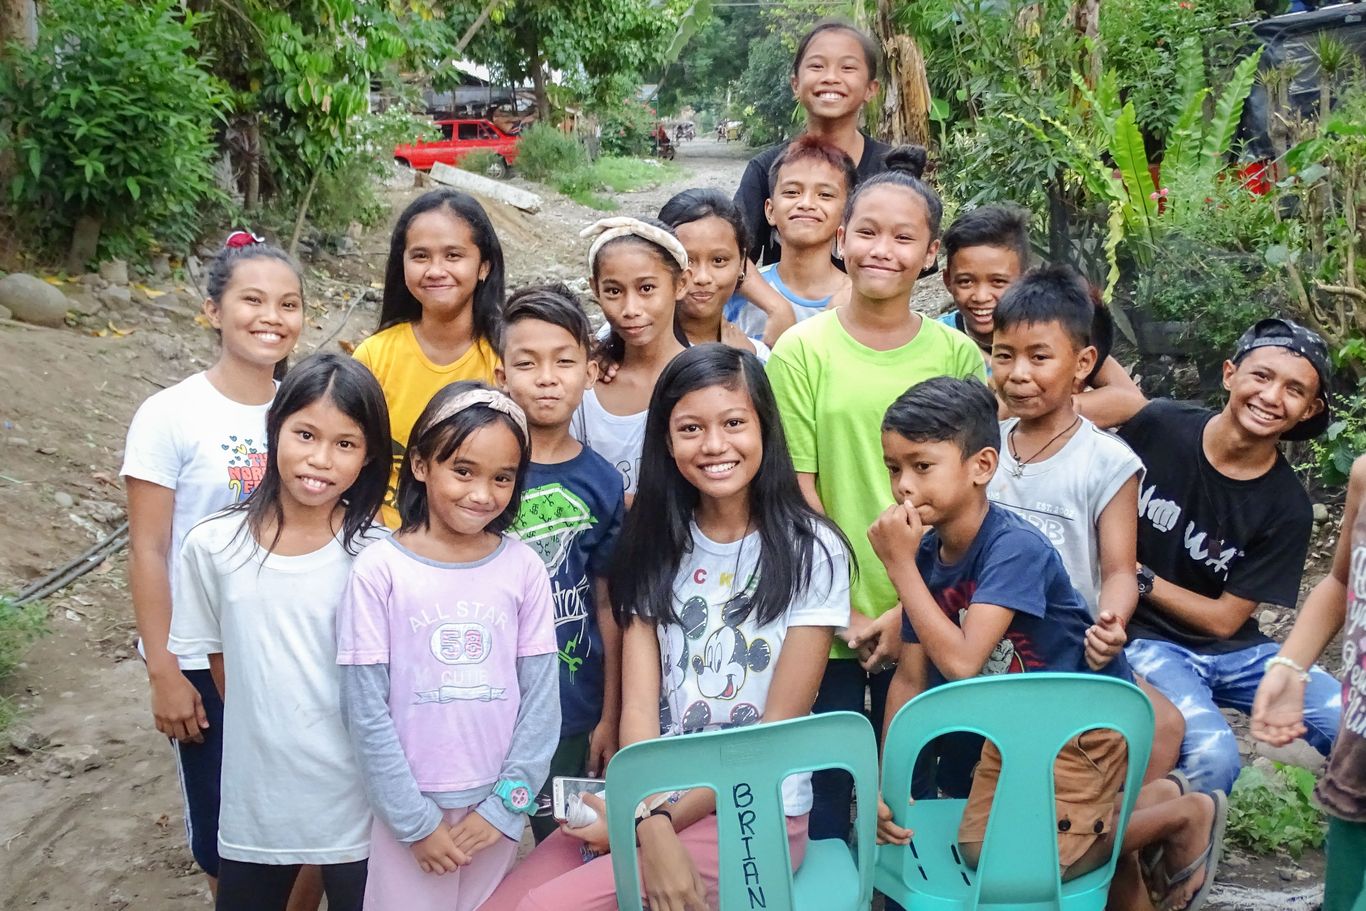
(971, 852)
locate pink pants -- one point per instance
(554, 877)
(396, 883)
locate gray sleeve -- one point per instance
(389, 783)
(534, 738)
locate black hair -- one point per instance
(696, 204)
(614, 346)
(551, 303)
(871, 54)
(356, 393)
(657, 532)
(1049, 294)
(435, 441)
(946, 409)
(223, 266)
(809, 147)
(1005, 226)
(400, 306)
(905, 165)
(1059, 293)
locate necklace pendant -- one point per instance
(1018, 471)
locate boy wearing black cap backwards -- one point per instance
(1223, 526)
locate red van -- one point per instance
(458, 139)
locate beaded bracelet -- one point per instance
(1283, 661)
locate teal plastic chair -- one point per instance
(746, 767)
(1029, 717)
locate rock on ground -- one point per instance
(32, 300)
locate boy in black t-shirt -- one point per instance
(985, 592)
(1223, 526)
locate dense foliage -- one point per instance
(132, 156)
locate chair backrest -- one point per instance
(1029, 717)
(745, 767)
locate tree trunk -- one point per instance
(85, 240)
(1086, 22)
(906, 87)
(18, 22)
(1059, 241)
(303, 213)
(542, 97)
(252, 135)
(538, 85)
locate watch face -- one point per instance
(520, 797)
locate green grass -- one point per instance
(621, 175)
(19, 626)
(614, 174)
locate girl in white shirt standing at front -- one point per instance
(192, 450)
(260, 584)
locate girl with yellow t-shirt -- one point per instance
(443, 289)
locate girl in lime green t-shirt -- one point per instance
(834, 376)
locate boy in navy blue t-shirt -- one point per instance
(984, 592)
(571, 512)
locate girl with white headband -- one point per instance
(450, 683)
(639, 271)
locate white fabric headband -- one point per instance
(489, 397)
(608, 229)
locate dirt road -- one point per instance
(90, 809)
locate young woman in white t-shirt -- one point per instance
(639, 271)
(192, 450)
(260, 586)
(728, 611)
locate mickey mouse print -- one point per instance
(718, 661)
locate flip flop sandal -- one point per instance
(1150, 858)
(1208, 859)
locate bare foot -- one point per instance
(1187, 845)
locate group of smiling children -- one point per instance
(588, 541)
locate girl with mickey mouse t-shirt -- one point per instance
(728, 614)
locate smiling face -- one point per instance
(637, 292)
(832, 80)
(473, 487)
(715, 265)
(320, 454)
(545, 370)
(441, 263)
(260, 313)
(886, 243)
(976, 278)
(807, 202)
(716, 441)
(1270, 391)
(933, 476)
(1036, 367)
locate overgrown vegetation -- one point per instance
(1274, 812)
(129, 161)
(19, 627)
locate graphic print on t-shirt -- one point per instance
(460, 640)
(1165, 515)
(246, 465)
(717, 658)
(549, 520)
(1014, 654)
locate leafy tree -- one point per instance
(765, 91)
(112, 125)
(711, 61)
(599, 46)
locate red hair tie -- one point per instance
(242, 239)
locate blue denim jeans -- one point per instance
(1199, 685)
